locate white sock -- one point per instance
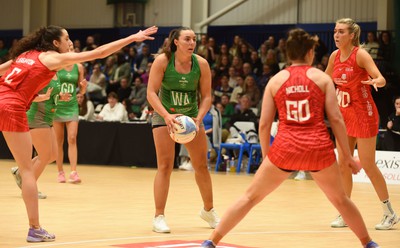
(387, 207)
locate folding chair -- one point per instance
(244, 132)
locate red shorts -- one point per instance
(13, 120)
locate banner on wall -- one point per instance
(388, 163)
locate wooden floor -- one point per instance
(113, 207)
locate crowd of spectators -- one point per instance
(238, 69)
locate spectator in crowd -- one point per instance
(124, 90)
(224, 50)
(266, 75)
(392, 136)
(386, 48)
(233, 50)
(212, 50)
(237, 63)
(122, 71)
(320, 49)
(251, 90)
(244, 113)
(146, 74)
(139, 47)
(222, 66)
(244, 53)
(223, 89)
(247, 70)
(131, 57)
(238, 90)
(142, 61)
(137, 98)
(281, 51)
(270, 42)
(109, 67)
(232, 77)
(3, 49)
(372, 45)
(255, 63)
(77, 46)
(97, 85)
(86, 107)
(263, 53)
(90, 44)
(202, 47)
(113, 110)
(272, 61)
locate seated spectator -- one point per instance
(247, 70)
(232, 77)
(238, 90)
(113, 110)
(244, 113)
(124, 90)
(86, 108)
(145, 75)
(123, 70)
(222, 66)
(142, 61)
(109, 67)
(137, 98)
(281, 51)
(223, 89)
(97, 85)
(252, 91)
(237, 63)
(372, 45)
(266, 75)
(229, 109)
(255, 63)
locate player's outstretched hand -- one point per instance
(145, 34)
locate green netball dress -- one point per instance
(68, 111)
(41, 114)
(179, 92)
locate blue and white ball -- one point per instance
(184, 131)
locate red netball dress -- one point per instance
(18, 87)
(302, 141)
(355, 100)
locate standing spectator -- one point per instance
(176, 74)
(354, 72)
(392, 136)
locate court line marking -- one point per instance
(179, 236)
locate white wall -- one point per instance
(81, 13)
(97, 14)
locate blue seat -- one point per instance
(243, 147)
(255, 152)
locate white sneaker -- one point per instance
(387, 222)
(301, 175)
(187, 165)
(338, 222)
(211, 217)
(159, 225)
(17, 176)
